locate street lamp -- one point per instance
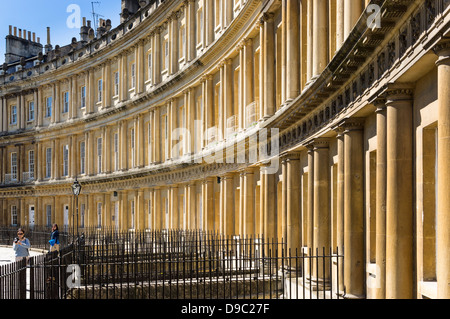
(76, 189)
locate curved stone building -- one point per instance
(322, 122)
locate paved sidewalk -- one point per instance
(7, 255)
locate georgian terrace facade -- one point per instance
(302, 120)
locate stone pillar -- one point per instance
(208, 9)
(91, 101)
(322, 212)
(2, 115)
(107, 84)
(174, 43)
(249, 202)
(380, 242)
(292, 50)
(354, 254)
(140, 211)
(309, 40)
(157, 208)
(157, 56)
(174, 218)
(268, 203)
(156, 135)
(352, 12)
(140, 144)
(191, 205)
(74, 98)
(293, 199)
(123, 145)
(443, 218)
(123, 74)
(228, 213)
(209, 107)
(208, 204)
(191, 36)
(249, 95)
(22, 116)
(2, 172)
(269, 65)
(173, 125)
(140, 67)
(320, 40)
(39, 108)
(310, 212)
(339, 23)
(399, 201)
(340, 203)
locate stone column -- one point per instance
(140, 67)
(2, 114)
(208, 204)
(157, 56)
(339, 23)
(309, 40)
(380, 243)
(23, 113)
(74, 98)
(123, 145)
(191, 36)
(340, 203)
(156, 135)
(443, 218)
(19, 110)
(140, 211)
(140, 141)
(40, 107)
(293, 199)
(108, 150)
(310, 212)
(320, 40)
(123, 74)
(228, 213)
(354, 254)
(249, 95)
(249, 202)
(268, 203)
(157, 208)
(269, 65)
(107, 85)
(174, 218)
(209, 106)
(191, 205)
(292, 50)
(208, 9)
(399, 202)
(92, 93)
(352, 12)
(2, 172)
(174, 43)
(322, 212)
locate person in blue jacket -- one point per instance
(54, 239)
(21, 245)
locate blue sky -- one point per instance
(37, 15)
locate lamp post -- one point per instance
(76, 189)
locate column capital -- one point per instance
(290, 156)
(319, 143)
(442, 50)
(227, 176)
(399, 91)
(246, 171)
(267, 17)
(352, 124)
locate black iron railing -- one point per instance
(175, 265)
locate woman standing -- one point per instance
(54, 240)
(21, 245)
